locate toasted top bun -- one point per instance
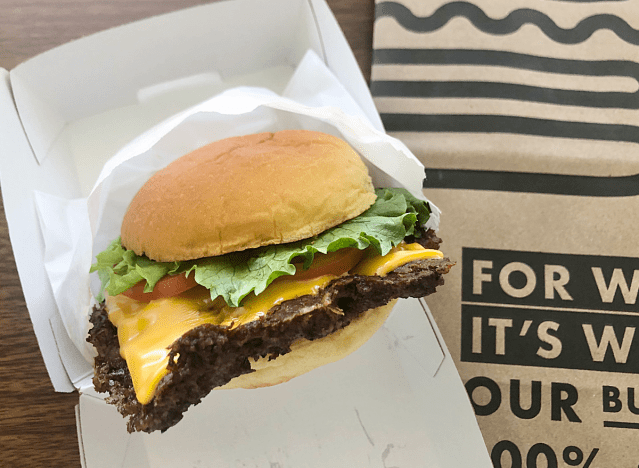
(246, 192)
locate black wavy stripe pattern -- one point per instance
(497, 90)
(513, 181)
(509, 24)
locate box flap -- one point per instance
(340, 59)
(17, 193)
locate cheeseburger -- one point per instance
(248, 262)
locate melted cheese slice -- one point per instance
(146, 330)
(401, 255)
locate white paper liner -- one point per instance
(314, 99)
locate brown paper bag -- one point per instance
(526, 115)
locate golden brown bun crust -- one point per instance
(307, 355)
(245, 192)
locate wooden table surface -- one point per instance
(37, 425)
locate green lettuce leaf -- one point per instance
(392, 217)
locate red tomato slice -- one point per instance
(333, 263)
(167, 286)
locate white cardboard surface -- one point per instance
(161, 49)
(16, 161)
(51, 93)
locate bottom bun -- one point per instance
(306, 355)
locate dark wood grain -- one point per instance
(37, 425)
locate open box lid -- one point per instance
(54, 111)
(177, 51)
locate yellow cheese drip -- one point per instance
(398, 256)
(147, 329)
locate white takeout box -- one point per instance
(64, 113)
